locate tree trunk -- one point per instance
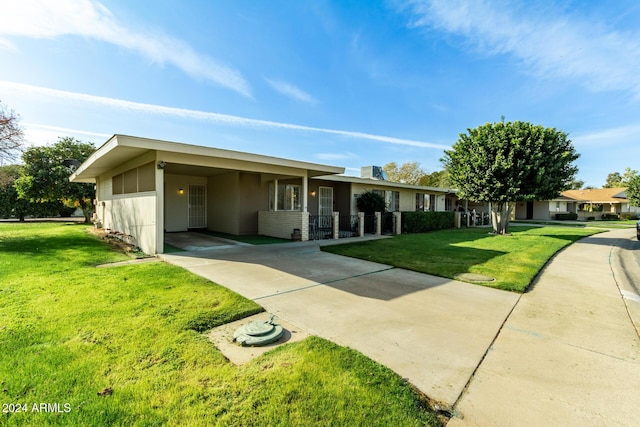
(86, 210)
(500, 216)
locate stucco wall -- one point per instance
(176, 205)
(250, 203)
(135, 215)
(223, 203)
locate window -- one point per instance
(135, 180)
(288, 197)
(420, 202)
(392, 200)
(431, 206)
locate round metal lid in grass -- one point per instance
(473, 277)
(258, 333)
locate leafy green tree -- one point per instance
(45, 178)
(11, 135)
(10, 204)
(438, 179)
(408, 173)
(633, 191)
(503, 163)
(615, 180)
(575, 185)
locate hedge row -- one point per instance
(420, 222)
(566, 216)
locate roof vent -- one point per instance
(373, 172)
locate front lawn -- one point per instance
(512, 260)
(123, 346)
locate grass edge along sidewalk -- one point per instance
(123, 346)
(513, 260)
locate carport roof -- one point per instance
(122, 148)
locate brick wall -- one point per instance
(281, 223)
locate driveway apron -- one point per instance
(431, 331)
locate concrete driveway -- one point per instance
(432, 331)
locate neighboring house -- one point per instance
(547, 209)
(146, 187)
(598, 201)
(585, 203)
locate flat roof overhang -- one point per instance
(186, 158)
(383, 183)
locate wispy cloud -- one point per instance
(46, 19)
(224, 119)
(624, 136)
(41, 134)
(549, 42)
(291, 91)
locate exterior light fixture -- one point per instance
(161, 164)
(180, 191)
(313, 194)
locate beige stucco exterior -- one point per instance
(146, 188)
(143, 188)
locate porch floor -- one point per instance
(194, 241)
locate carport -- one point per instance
(145, 187)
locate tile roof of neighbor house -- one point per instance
(598, 195)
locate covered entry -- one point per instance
(146, 187)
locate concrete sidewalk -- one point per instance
(567, 355)
(431, 331)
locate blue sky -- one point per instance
(346, 83)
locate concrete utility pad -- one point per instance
(430, 330)
(222, 338)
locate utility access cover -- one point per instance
(258, 333)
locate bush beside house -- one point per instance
(421, 222)
(571, 216)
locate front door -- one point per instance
(197, 206)
(325, 201)
(529, 210)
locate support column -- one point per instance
(361, 224)
(275, 195)
(336, 225)
(398, 223)
(159, 210)
(305, 193)
(378, 223)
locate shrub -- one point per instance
(420, 222)
(629, 215)
(610, 217)
(566, 216)
(370, 202)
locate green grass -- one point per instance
(512, 260)
(630, 223)
(71, 332)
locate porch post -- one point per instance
(398, 223)
(275, 194)
(378, 223)
(336, 225)
(159, 210)
(305, 192)
(360, 224)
